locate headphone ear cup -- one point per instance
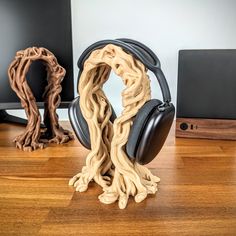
(153, 134)
(79, 124)
(138, 125)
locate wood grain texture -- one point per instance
(197, 192)
(206, 128)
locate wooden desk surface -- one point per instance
(197, 193)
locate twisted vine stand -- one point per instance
(33, 137)
(107, 163)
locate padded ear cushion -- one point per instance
(138, 124)
(79, 124)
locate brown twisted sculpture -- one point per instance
(107, 163)
(33, 138)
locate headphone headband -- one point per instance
(126, 44)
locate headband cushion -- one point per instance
(80, 125)
(138, 125)
(140, 52)
(146, 55)
(152, 57)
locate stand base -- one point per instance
(206, 128)
(7, 118)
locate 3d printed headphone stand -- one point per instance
(107, 163)
(33, 138)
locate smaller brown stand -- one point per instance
(33, 137)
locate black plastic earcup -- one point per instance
(80, 125)
(138, 125)
(154, 133)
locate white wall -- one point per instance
(166, 26)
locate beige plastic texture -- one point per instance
(33, 137)
(107, 163)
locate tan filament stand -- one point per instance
(33, 138)
(107, 163)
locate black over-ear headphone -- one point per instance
(152, 122)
